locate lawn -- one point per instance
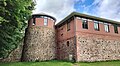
(61, 63)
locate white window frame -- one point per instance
(84, 23)
(45, 21)
(96, 25)
(106, 27)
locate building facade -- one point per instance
(80, 36)
(88, 38)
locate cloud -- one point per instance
(85, 6)
(56, 8)
(59, 9)
(108, 9)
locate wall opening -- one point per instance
(33, 21)
(68, 43)
(85, 24)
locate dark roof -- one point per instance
(87, 16)
(43, 14)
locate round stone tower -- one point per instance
(39, 42)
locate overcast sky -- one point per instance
(59, 9)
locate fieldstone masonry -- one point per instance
(64, 50)
(39, 44)
(15, 55)
(93, 47)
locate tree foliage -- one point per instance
(13, 20)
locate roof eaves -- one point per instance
(87, 16)
(42, 14)
(66, 18)
(97, 18)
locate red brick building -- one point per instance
(88, 38)
(42, 20)
(85, 37)
(80, 36)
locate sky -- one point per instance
(109, 9)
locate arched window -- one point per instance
(68, 43)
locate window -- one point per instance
(45, 21)
(68, 26)
(106, 26)
(115, 29)
(85, 24)
(68, 43)
(33, 21)
(62, 34)
(96, 25)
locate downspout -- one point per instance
(75, 41)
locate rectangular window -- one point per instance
(45, 21)
(68, 26)
(106, 26)
(96, 25)
(33, 21)
(115, 29)
(85, 24)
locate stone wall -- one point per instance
(15, 55)
(39, 44)
(92, 47)
(64, 49)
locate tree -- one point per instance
(13, 20)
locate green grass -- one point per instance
(107, 63)
(61, 63)
(46, 63)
